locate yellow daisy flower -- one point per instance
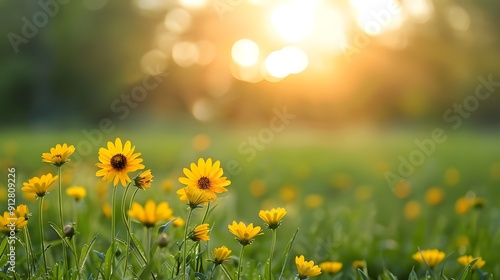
(179, 222)
(465, 260)
(358, 264)
(200, 233)
(207, 177)
(432, 257)
(306, 269)
(10, 223)
(272, 218)
(244, 234)
(434, 196)
(143, 180)
(117, 161)
(193, 195)
(106, 210)
(39, 185)
(76, 192)
(58, 155)
(150, 214)
(221, 255)
(22, 211)
(330, 267)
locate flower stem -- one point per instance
(42, 235)
(61, 219)
(225, 272)
(27, 249)
(184, 263)
(273, 244)
(240, 262)
(206, 213)
(148, 242)
(113, 216)
(125, 221)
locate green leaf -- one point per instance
(85, 254)
(3, 246)
(362, 274)
(467, 269)
(109, 260)
(413, 275)
(140, 248)
(101, 256)
(164, 227)
(286, 252)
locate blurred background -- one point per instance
(333, 63)
(307, 103)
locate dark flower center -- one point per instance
(204, 183)
(118, 162)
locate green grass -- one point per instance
(339, 167)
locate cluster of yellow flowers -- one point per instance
(203, 182)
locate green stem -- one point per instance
(61, 219)
(27, 249)
(184, 262)
(125, 221)
(273, 244)
(113, 216)
(42, 235)
(33, 264)
(225, 272)
(240, 262)
(148, 242)
(206, 213)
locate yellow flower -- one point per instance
(58, 155)
(314, 201)
(288, 193)
(207, 177)
(330, 267)
(244, 234)
(463, 204)
(11, 223)
(434, 196)
(117, 161)
(22, 211)
(272, 218)
(257, 188)
(39, 185)
(200, 233)
(221, 254)
(76, 192)
(402, 189)
(143, 180)
(179, 222)
(452, 176)
(432, 257)
(465, 260)
(412, 210)
(306, 269)
(150, 214)
(358, 264)
(193, 195)
(167, 185)
(106, 210)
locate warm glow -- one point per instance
(295, 21)
(420, 10)
(193, 4)
(178, 20)
(154, 62)
(245, 52)
(185, 54)
(289, 60)
(376, 16)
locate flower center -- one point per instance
(118, 162)
(204, 183)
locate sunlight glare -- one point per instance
(295, 21)
(178, 20)
(289, 60)
(376, 16)
(245, 52)
(193, 4)
(420, 10)
(185, 53)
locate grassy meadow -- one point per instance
(339, 205)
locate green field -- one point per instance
(332, 185)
